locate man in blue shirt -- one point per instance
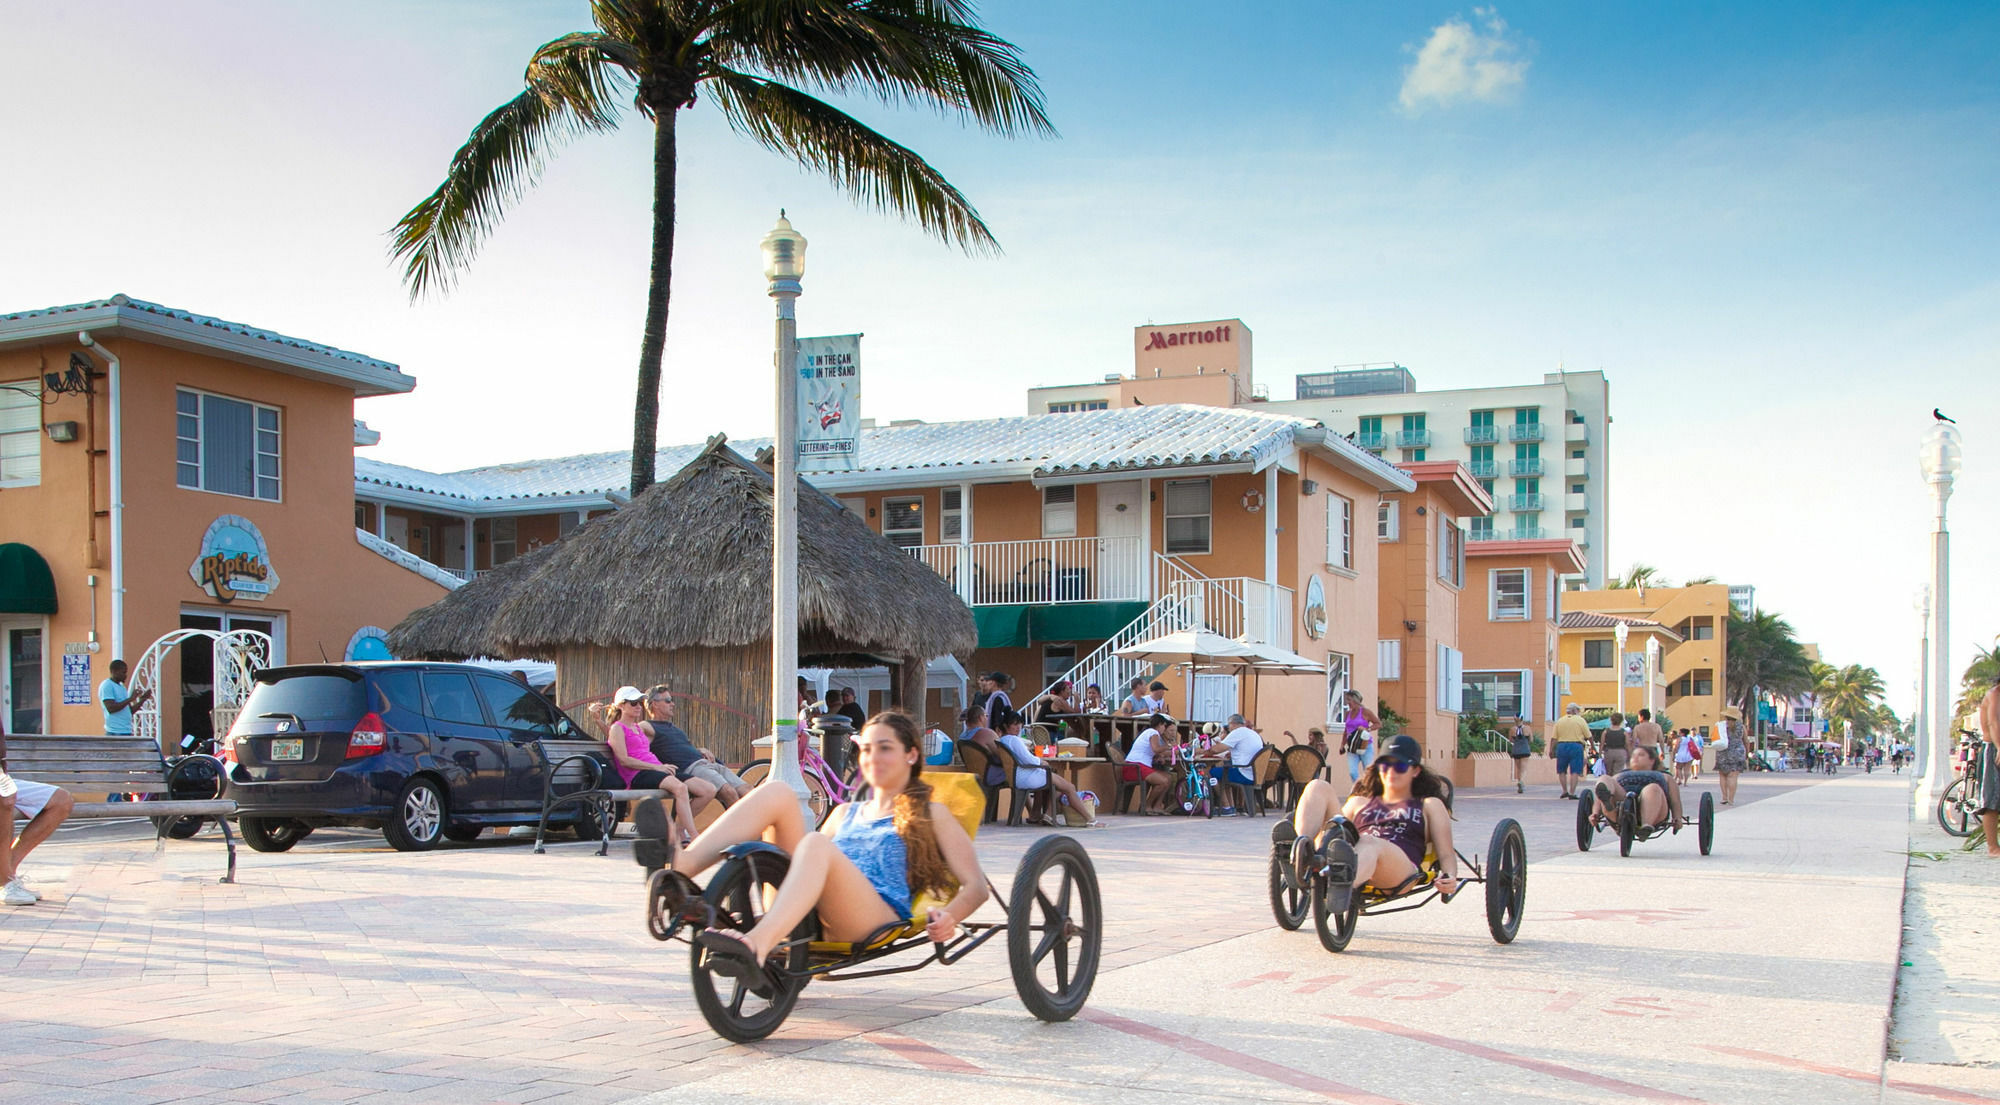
(117, 701)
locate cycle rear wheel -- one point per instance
(1954, 810)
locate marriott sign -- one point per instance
(1166, 339)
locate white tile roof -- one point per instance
(237, 328)
(1040, 446)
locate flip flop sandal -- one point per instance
(1338, 863)
(731, 956)
(1299, 870)
(671, 901)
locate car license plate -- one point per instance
(291, 748)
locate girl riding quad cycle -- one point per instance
(892, 871)
(1387, 847)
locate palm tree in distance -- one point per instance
(1979, 677)
(1763, 655)
(1637, 578)
(753, 57)
(1851, 696)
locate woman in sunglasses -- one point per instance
(1397, 806)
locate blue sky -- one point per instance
(1770, 224)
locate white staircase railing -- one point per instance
(1170, 613)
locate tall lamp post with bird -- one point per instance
(1941, 457)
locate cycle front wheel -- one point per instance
(1954, 812)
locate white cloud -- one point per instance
(1462, 62)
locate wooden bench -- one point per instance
(125, 765)
(576, 777)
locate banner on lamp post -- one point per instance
(828, 393)
(1635, 669)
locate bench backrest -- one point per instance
(574, 776)
(108, 764)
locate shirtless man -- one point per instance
(1659, 795)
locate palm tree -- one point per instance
(1851, 696)
(1764, 655)
(1638, 577)
(1979, 677)
(752, 57)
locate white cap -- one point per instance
(629, 694)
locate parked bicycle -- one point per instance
(1958, 807)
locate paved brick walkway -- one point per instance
(345, 972)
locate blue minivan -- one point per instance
(427, 752)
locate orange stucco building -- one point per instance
(179, 471)
(1423, 550)
(1509, 622)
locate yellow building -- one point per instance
(1692, 631)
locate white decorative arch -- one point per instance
(239, 654)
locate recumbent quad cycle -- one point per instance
(1627, 824)
(1504, 875)
(1054, 929)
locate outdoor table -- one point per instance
(1072, 724)
(1070, 765)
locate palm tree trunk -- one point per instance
(646, 405)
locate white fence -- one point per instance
(1040, 572)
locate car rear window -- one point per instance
(310, 698)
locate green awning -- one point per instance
(1001, 626)
(1082, 621)
(26, 584)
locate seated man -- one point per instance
(1243, 743)
(45, 807)
(1397, 810)
(705, 779)
(1658, 794)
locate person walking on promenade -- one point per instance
(1646, 734)
(1520, 746)
(1686, 748)
(1732, 760)
(1358, 737)
(1567, 749)
(1617, 745)
(1989, 774)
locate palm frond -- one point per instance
(573, 86)
(906, 51)
(863, 163)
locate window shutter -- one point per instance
(1443, 672)
(1527, 694)
(1059, 511)
(1389, 660)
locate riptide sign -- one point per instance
(828, 394)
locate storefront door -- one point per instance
(1120, 572)
(23, 675)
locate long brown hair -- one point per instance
(928, 872)
(1426, 785)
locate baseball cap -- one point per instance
(1157, 686)
(1403, 747)
(629, 694)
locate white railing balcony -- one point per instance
(1041, 572)
(1413, 439)
(1576, 502)
(1525, 431)
(1482, 435)
(1576, 466)
(1519, 503)
(1240, 608)
(1528, 467)
(1576, 433)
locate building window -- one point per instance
(1185, 507)
(1339, 665)
(1386, 521)
(1056, 662)
(1450, 679)
(1576, 454)
(1576, 418)
(951, 519)
(1482, 529)
(226, 445)
(1339, 531)
(1801, 715)
(1496, 692)
(20, 433)
(1576, 523)
(1061, 408)
(1576, 489)
(1388, 660)
(1059, 511)
(1597, 654)
(1412, 455)
(1482, 419)
(1094, 405)
(1451, 552)
(1700, 683)
(1527, 416)
(503, 540)
(903, 521)
(1509, 596)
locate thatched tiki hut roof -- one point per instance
(675, 587)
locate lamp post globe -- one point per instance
(1940, 458)
(784, 252)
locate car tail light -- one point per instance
(228, 753)
(368, 738)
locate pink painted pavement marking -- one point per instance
(922, 1054)
(1942, 1093)
(1248, 1064)
(1540, 1066)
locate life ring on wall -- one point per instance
(1253, 501)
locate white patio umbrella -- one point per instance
(1191, 648)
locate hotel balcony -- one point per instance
(1525, 533)
(1372, 441)
(1576, 503)
(1486, 535)
(1413, 439)
(1042, 572)
(1483, 469)
(1525, 431)
(1521, 503)
(1576, 433)
(1524, 466)
(1576, 466)
(1482, 435)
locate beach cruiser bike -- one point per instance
(1958, 806)
(1054, 930)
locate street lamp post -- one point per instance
(1923, 721)
(1941, 458)
(1618, 634)
(784, 266)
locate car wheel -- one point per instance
(418, 822)
(272, 834)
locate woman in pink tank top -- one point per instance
(632, 756)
